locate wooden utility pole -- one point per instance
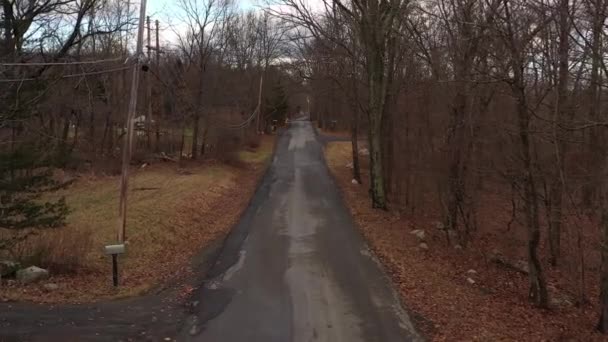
(259, 109)
(157, 69)
(149, 90)
(128, 142)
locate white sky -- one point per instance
(166, 12)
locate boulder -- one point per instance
(419, 233)
(355, 182)
(519, 265)
(471, 281)
(497, 257)
(562, 302)
(8, 268)
(32, 274)
(423, 246)
(51, 287)
(522, 266)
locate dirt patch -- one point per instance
(434, 284)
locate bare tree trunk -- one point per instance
(182, 143)
(195, 129)
(354, 138)
(196, 118)
(455, 146)
(377, 98)
(557, 186)
(204, 139)
(594, 86)
(538, 288)
(603, 322)
(76, 131)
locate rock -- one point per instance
(8, 268)
(519, 266)
(420, 234)
(423, 246)
(561, 302)
(32, 274)
(496, 256)
(439, 225)
(355, 182)
(350, 165)
(522, 266)
(51, 287)
(471, 271)
(364, 152)
(471, 281)
(194, 330)
(459, 247)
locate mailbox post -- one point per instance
(114, 250)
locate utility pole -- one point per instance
(149, 90)
(128, 142)
(157, 68)
(259, 103)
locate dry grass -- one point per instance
(172, 214)
(65, 251)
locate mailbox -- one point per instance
(115, 249)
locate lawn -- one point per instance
(173, 214)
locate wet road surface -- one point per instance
(296, 268)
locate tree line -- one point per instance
(464, 99)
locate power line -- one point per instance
(62, 63)
(107, 71)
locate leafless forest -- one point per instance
(488, 114)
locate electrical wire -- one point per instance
(62, 63)
(107, 71)
(240, 125)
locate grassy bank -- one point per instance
(173, 213)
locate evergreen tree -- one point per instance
(278, 106)
(24, 177)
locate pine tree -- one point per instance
(278, 108)
(26, 174)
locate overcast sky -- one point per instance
(166, 12)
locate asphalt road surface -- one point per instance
(296, 268)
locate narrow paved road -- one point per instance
(296, 268)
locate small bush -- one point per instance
(228, 146)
